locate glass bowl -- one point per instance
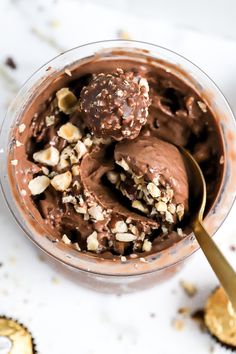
(95, 272)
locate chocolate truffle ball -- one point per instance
(115, 104)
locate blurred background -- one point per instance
(64, 317)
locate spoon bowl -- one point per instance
(221, 267)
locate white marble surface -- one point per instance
(64, 317)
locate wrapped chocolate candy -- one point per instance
(15, 338)
(220, 318)
(115, 104)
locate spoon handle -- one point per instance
(223, 270)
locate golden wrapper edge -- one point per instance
(220, 319)
(20, 337)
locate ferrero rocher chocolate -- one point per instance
(116, 104)
(15, 338)
(220, 318)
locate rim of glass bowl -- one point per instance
(151, 50)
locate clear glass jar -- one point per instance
(95, 272)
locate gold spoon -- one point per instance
(219, 264)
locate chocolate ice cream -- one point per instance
(97, 193)
(153, 178)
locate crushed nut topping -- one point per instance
(69, 199)
(50, 120)
(62, 181)
(147, 246)
(38, 184)
(92, 242)
(120, 226)
(80, 210)
(138, 205)
(189, 288)
(21, 128)
(18, 143)
(45, 170)
(203, 106)
(113, 177)
(178, 324)
(81, 149)
(66, 240)
(153, 190)
(66, 100)
(14, 162)
(49, 156)
(123, 259)
(23, 192)
(123, 164)
(70, 132)
(68, 72)
(125, 237)
(75, 170)
(96, 212)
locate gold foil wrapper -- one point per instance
(15, 338)
(220, 318)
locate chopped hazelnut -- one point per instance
(14, 162)
(125, 237)
(23, 192)
(69, 199)
(171, 208)
(147, 246)
(88, 142)
(77, 247)
(80, 210)
(66, 240)
(75, 170)
(120, 226)
(92, 242)
(45, 170)
(38, 184)
(49, 156)
(68, 72)
(63, 163)
(189, 288)
(81, 149)
(66, 100)
(62, 181)
(203, 106)
(113, 177)
(180, 211)
(18, 143)
(178, 324)
(180, 232)
(138, 205)
(123, 164)
(133, 229)
(161, 206)
(21, 128)
(96, 212)
(70, 132)
(49, 120)
(153, 190)
(169, 217)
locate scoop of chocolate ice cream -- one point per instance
(118, 226)
(153, 178)
(115, 104)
